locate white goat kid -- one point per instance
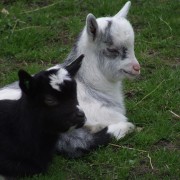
(108, 46)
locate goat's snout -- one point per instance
(136, 68)
(81, 118)
(80, 114)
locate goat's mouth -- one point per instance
(130, 73)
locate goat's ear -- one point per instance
(124, 11)
(25, 81)
(91, 26)
(73, 67)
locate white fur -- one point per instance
(11, 94)
(119, 130)
(59, 78)
(124, 11)
(54, 67)
(107, 82)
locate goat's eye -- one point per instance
(113, 51)
(51, 101)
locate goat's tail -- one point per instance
(81, 141)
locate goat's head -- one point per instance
(53, 93)
(112, 41)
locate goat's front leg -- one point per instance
(120, 129)
(117, 123)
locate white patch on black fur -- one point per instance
(11, 94)
(59, 78)
(79, 107)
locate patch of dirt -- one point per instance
(166, 144)
(130, 94)
(133, 93)
(174, 63)
(152, 53)
(143, 168)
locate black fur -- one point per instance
(30, 126)
(79, 142)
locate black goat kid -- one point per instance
(30, 126)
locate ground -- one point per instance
(35, 35)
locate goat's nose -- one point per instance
(80, 114)
(136, 67)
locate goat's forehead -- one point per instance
(58, 78)
(117, 30)
(122, 31)
(103, 22)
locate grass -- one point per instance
(38, 34)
